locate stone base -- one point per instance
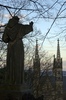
(13, 91)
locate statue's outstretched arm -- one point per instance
(25, 29)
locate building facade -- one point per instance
(51, 87)
(36, 68)
(57, 69)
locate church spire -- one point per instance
(36, 49)
(36, 68)
(58, 50)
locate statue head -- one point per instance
(15, 18)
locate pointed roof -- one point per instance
(36, 49)
(58, 50)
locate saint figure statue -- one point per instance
(13, 35)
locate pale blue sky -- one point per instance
(50, 44)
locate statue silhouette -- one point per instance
(13, 35)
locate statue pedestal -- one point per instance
(13, 91)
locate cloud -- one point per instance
(7, 16)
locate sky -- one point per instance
(50, 43)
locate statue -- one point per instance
(13, 35)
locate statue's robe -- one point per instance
(15, 51)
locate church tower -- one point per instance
(57, 68)
(36, 68)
